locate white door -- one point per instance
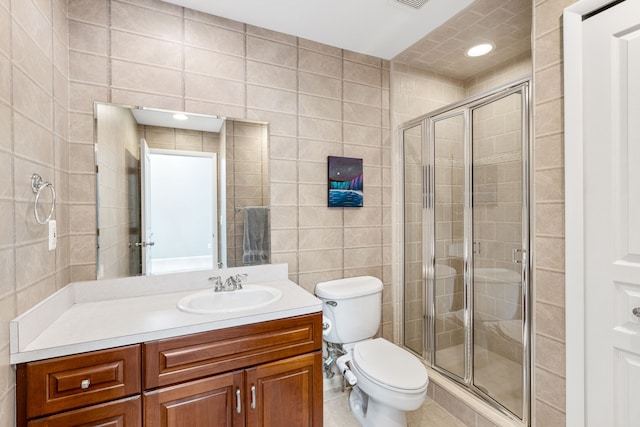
(146, 244)
(611, 144)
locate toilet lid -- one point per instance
(388, 364)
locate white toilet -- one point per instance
(388, 381)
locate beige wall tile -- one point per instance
(30, 59)
(315, 84)
(550, 388)
(213, 20)
(88, 68)
(362, 94)
(322, 108)
(550, 86)
(550, 355)
(88, 38)
(5, 31)
(32, 20)
(143, 20)
(145, 78)
(263, 98)
(319, 129)
(320, 238)
(214, 38)
(95, 11)
(271, 35)
(32, 100)
(224, 91)
(271, 75)
(271, 52)
(318, 63)
(147, 50)
(364, 74)
(32, 141)
(319, 47)
(547, 415)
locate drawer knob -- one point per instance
(85, 384)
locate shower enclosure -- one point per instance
(466, 244)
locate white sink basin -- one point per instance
(247, 298)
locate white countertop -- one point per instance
(93, 315)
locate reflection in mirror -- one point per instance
(199, 198)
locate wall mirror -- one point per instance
(178, 191)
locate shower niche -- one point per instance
(466, 244)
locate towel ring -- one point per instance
(37, 185)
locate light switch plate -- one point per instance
(53, 235)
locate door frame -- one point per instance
(574, 209)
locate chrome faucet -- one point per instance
(232, 283)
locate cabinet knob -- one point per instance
(85, 384)
(238, 401)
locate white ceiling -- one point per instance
(381, 28)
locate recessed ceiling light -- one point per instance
(180, 117)
(479, 50)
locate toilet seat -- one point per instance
(390, 366)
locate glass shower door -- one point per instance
(466, 242)
(414, 289)
(448, 242)
(499, 249)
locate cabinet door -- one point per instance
(286, 393)
(209, 402)
(120, 413)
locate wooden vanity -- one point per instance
(120, 353)
(263, 374)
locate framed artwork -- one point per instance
(345, 182)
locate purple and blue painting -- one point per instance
(345, 182)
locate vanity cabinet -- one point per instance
(279, 394)
(264, 374)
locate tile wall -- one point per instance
(34, 135)
(549, 315)
(318, 100)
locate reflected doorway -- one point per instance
(179, 211)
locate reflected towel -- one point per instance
(256, 244)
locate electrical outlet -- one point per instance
(53, 235)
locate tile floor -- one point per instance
(338, 414)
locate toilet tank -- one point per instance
(352, 307)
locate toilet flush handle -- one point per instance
(332, 303)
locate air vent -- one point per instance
(416, 4)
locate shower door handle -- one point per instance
(426, 191)
(518, 256)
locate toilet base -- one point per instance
(371, 413)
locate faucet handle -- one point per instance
(239, 278)
(217, 283)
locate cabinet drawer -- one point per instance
(181, 359)
(120, 413)
(69, 382)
